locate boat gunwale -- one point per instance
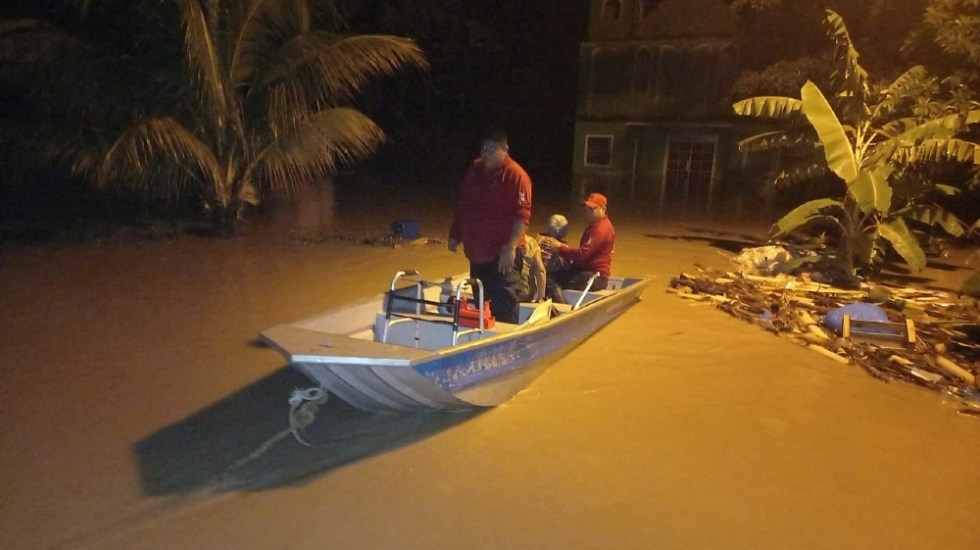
(519, 331)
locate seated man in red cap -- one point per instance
(593, 254)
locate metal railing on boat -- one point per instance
(585, 291)
(420, 302)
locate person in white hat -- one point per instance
(556, 229)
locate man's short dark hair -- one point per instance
(496, 134)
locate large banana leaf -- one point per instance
(801, 174)
(837, 148)
(939, 150)
(907, 81)
(871, 189)
(904, 242)
(936, 216)
(906, 134)
(806, 212)
(897, 127)
(904, 86)
(789, 138)
(852, 70)
(768, 107)
(763, 142)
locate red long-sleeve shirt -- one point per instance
(490, 203)
(595, 250)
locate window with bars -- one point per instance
(689, 169)
(598, 150)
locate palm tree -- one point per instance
(271, 110)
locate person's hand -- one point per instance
(507, 256)
(549, 243)
(453, 243)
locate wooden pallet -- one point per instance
(883, 334)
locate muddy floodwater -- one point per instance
(139, 411)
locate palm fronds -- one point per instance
(319, 145)
(153, 145)
(204, 58)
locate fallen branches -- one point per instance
(945, 355)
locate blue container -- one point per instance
(408, 230)
(860, 311)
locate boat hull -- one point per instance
(481, 373)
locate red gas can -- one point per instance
(469, 315)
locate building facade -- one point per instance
(653, 123)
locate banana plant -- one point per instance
(871, 142)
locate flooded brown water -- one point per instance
(138, 411)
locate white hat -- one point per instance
(557, 226)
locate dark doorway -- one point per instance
(688, 172)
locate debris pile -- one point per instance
(925, 337)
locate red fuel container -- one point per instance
(469, 315)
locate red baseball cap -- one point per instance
(596, 200)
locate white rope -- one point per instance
(303, 405)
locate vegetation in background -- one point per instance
(264, 104)
(75, 74)
(880, 142)
(948, 35)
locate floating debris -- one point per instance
(930, 338)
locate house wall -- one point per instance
(638, 171)
(655, 77)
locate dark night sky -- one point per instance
(495, 61)
(506, 62)
(502, 61)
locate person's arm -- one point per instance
(589, 249)
(508, 253)
(520, 186)
(548, 242)
(540, 276)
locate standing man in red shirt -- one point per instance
(491, 221)
(594, 252)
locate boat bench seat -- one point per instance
(573, 295)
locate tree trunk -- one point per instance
(225, 220)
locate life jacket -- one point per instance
(528, 285)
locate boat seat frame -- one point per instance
(420, 315)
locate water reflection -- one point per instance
(242, 442)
